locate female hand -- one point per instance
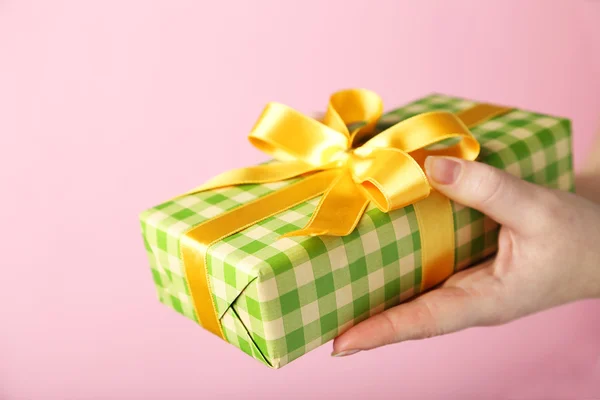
(549, 254)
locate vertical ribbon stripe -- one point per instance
(436, 229)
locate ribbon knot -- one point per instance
(386, 169)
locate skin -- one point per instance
(549, 243)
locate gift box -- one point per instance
(276, 290)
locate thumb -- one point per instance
(505, 198)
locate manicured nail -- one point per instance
(443, 170)
(344, 353)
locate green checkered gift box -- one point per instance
(277, 297)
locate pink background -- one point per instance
(108, 107)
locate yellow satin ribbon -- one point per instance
(386, 170)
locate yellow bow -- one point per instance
(386, 170)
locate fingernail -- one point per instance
(344, 353)
(443, 170)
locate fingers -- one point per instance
(505, 198)
(441, 311)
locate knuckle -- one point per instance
(391, 327)
(415, 322)
(427, 321)
(487, 186)
(550, 207)
(505, 257)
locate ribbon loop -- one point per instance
(423, 130)
(355, 106)
(286, 135)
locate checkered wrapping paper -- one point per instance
(279, 298)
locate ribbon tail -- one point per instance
(339, 210)
(273, 172)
